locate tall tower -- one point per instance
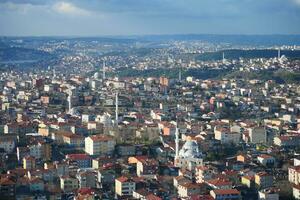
(117, 109)
(70, 100)
(223, 58)
(180, 65)
(179, 76)
(176, 145)
(103, 70)
(279, 53)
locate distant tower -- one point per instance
(176, 145)
(117, 109)
(224, 58)
(279, 53)
(103, 70)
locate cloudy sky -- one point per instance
(136, 17)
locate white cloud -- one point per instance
(297, 2)
(19, 8)
(70, 9)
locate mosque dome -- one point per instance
(190, 150)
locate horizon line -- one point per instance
(154, 34)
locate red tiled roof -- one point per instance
(7, 181)
(226, 191)
(265, 156)
(103, 138)
(122, 179)
(153, 197)
(81, 156)
(219, 182)
(84, 191)
(262, 174)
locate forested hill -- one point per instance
(19, 53)
(247, 54)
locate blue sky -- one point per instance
(138, 17)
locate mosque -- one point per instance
(189, 156)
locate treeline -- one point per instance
(280, 76)
(173, 73)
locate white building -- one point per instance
(266, 160)
(268, 194)
(227, 137)
(100, 145)
(296, 191)
(257, 135)
(124, 186)
(294, 175)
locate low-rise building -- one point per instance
(268, 194)
(68, 184)
(224, 194)
(86, 179)
(82, 160)
(188, 189)
(146, 167)
(124, 186)
(29, 162)
(203, 174)
(266, 160)
(263, 180)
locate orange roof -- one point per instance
(7, 181)
(153, 197)
(219, 182)
(80, 156)
(122, 179)
(192, 185)
(226, 191)
(262, 174)
(103, 138)
(203, 168)
(265, 156)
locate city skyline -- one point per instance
(131, 17)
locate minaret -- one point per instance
(103, 70)
(279, 53)
(70, 100)
(224, 58)
(179, 76)
(176, 145)
(117, 109)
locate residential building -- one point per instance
(68, 184)
(124, 186)
(224, 194)
(100, 145)
(263, 180)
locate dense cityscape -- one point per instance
(149, 100)
(99, 118)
